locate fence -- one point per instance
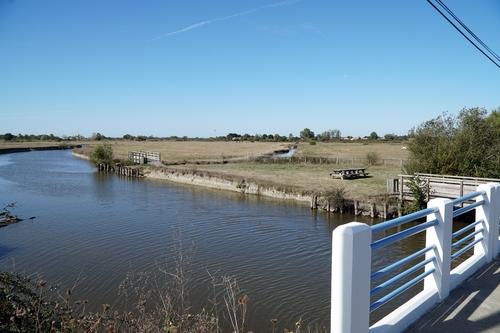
(344, 160)
(143, 157)
(439, 186)
(353, 299)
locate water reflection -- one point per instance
(97, 227)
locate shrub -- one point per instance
(312, 143)
(419, 189)
(466, 145)
(102, 154)
(336, 199)
(372, 158)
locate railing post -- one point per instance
(489, 214)
(351, 269)
(440, 236)
(496, 243)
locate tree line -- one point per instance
(464, 145)
(305, 135)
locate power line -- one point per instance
(466, 37)
(468, 30)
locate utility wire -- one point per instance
(463, 34)
(468, 30)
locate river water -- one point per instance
(95, 228)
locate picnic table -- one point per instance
(350, 173)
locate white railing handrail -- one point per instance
(352, 246)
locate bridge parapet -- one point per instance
(352, 296)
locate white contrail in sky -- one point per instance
(225, 18)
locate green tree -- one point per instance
(306, 134)
(390, 137)
(98, 136)
(9, 137)
(419, 189)
(373, 136)
(466, 145)
(494, 119)
(102, 154)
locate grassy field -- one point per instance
(357, 150)
(176, 151)
(316, 177)
(306, 177)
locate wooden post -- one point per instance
(401, 187)
(462, 190)
(372, 210)
(356, 203)
(314, 202)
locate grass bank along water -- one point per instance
(304, 178)
(330, 201)
(381, 207)
(21, 149)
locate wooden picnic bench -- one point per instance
(351, 173)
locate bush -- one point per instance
(102, 154)
(312, 143)
(419, 189)
(466, 145)
(372, 158)
(336, 199)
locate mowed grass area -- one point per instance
(316, 177)
(357, 150)
(191, 151)
(306, 177)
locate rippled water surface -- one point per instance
(94, 228)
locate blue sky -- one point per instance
(203, 68)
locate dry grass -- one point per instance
(174, 151)
(306, 177)
(348, 150)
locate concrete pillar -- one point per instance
(488, 212)
(351, 269)
(439, 236)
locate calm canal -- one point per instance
(95, 228)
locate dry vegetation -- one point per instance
(176, 151)
(308, 177)
(357, 150)
(302, 176)
(305, 177)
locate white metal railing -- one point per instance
(352, 245)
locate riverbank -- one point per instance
(11, 150)
(334, 201)
(337, 202)
(307, 183)
(80, 155)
